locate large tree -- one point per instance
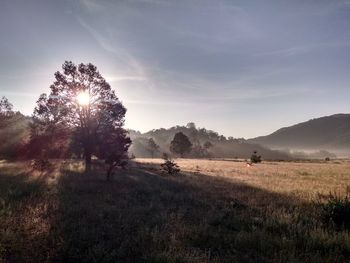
(82, 101)
(180, 144)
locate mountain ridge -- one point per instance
(330, 132)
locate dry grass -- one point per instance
(214, 211)
(303, 179)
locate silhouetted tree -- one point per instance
(13, 131)
(113, 144)
(180, 144)
(100, 110)
(5, 111)
(152, 147)
(191, 125)
(6, 108)
(255, 158)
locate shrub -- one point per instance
(336, 211)
(255, 158)
(41, 164)
(169, 165)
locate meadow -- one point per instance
(213, 211)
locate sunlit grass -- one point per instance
(305, 179)
(214, 211)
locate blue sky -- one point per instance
(242, 68)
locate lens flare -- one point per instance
(83, 98)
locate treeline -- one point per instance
(205, 144)
(23, 137)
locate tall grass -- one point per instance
(213, 212)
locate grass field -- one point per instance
(214, 211)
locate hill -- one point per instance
(222, 147)
(326, 133)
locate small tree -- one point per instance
(6, 108)
(169, 165)
(113, 147)
(152, 147)
(255, 158)
(180, 144)
(6, 112)
(13, 131)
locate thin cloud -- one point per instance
(298, 50)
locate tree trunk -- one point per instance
(109, 172)
(87, 160)
(87, 150)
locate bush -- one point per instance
(41, 164)
(169, 165)
(255, 158)
(336, 211)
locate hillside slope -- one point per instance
(222, 147)
(328, 133)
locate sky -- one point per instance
(241, 68)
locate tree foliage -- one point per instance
(6, 108)
(13, 131)
(59, 116)
(152, 147)
(255, 158)
(49, 134)
(180, 144)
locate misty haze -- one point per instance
(174, 131)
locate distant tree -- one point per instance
(6, 108)
(152, 147)
(13, 131)
(6, 111)
(207, 145)
(197, 150)
(180, 144)
(255, 158)
(191, 125)
(83, 102)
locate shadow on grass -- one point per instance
(144, 216)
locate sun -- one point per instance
(83, 98)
